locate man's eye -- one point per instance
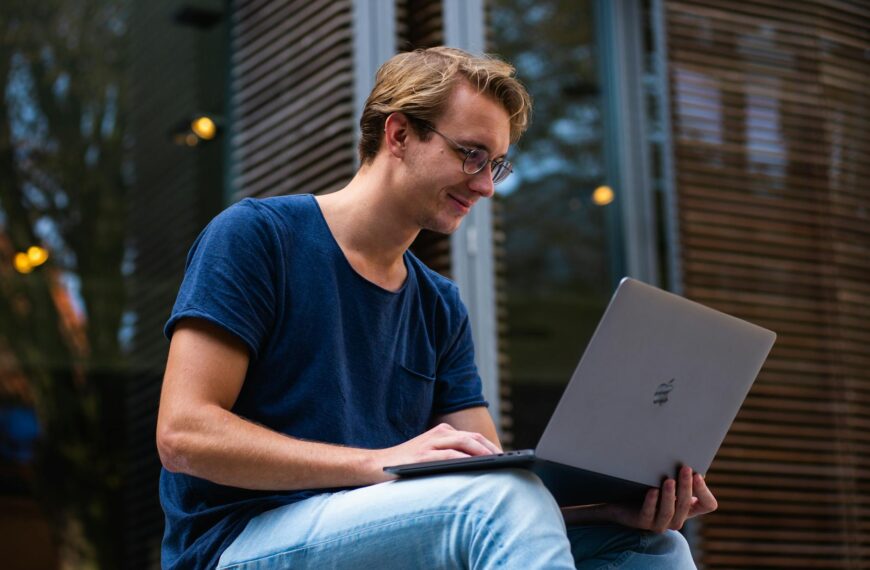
(477, 155)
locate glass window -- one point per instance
(561, 236)
(108, 170)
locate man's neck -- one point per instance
(370, 226)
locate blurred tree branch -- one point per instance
(62, 153)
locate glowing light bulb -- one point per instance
(22, 263)
(204, 127)
(602, 196)
(37, 255)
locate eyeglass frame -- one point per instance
(496, 164)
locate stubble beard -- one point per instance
(433, 224)
(438, 220)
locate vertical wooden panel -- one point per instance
(420, 24)
(499, 238)
(292, 92)
(770, 115)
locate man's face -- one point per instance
(443, 193)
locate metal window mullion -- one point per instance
(471, 247)
(669, 184)
(619, 25)
(374, 37)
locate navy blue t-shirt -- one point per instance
(334, 357)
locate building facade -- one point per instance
(715, 148)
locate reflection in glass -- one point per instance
(89, 93)
(63, 151)
(558, 269)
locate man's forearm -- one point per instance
(222, 447)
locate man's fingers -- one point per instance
(667, 504)
(493, 448)
(648, 510)
(444, 454)
(446, 429)
(706, 501)
(462, 441)
(684, 498)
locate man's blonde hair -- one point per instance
(419, 84)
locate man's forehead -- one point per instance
(480, 120)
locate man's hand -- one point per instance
(439, 443)
(668, 507)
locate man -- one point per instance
(309, 349)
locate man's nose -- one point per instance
(481, 183)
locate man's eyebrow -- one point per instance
(477, 144)
(473, 144)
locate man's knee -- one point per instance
(513, 490)
(673, 545)
(516, 515)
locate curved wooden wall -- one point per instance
(292, 90)
(770, 120)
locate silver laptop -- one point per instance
(657, 387)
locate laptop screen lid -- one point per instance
(657, 387)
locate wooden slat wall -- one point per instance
(420, 24)
(770, 118)
(499, 250)
(292, 90)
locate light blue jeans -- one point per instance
(496, 519)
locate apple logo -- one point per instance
(661, 395)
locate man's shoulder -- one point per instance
(431, 282)
(280, 208)
(280, 215)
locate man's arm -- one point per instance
(197, 434)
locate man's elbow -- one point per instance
(171, 448)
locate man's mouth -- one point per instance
(465, 204)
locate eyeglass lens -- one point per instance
(476, 160)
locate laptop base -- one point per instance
(570, 486)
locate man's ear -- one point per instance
(397, 130)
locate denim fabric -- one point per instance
(498, 519)
(611, 546)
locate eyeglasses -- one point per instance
(476, 159)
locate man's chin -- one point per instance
(442, 226)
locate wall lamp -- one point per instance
(198, 129)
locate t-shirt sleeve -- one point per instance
(230, 276)
(457, 382)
